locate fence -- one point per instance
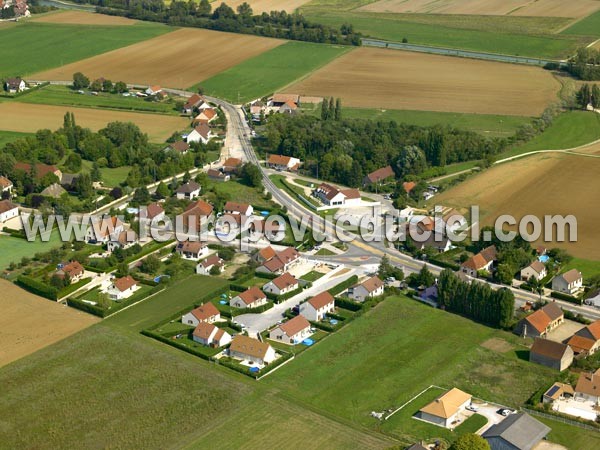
(562, 419)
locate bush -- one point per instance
(37, 287)
(86, 307)
(566, 297)
(348, 304)
(341, 287)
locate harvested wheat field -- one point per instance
(29, 323)
(539, 8)
(551, 183)
(177, 60)
(28, 118)
(83, 18)
(592, 149)
(392, 79)
(261, 6)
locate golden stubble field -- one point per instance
(393, 79)
(261, 6)
(178, 59)
(29, 323)
(28, 118)
(551, 183)
(539, 8)
(83, 18)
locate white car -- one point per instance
(472, 408)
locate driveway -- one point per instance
(488, 410)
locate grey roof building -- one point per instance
(516, 432)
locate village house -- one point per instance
(517, 432)
(588, 387)
(291, 332)
(587, 340)
(232, 165)
(217, 175)
(152, 212)
(256, 109)
(280, 162)
(536, 269)
(153, 90)
(252, 350)
(55, 191)
(451, 222)
(41, 170)
(196, 216)
(437, 241)
(230, 223)
(316, 308)
(123, 240)
(570, 282)
(122, 288)
(288, 107)
(332, 196)
(207, 115)
(210, 335)
(180, 147)
(74, 270)
(541, 322)
(278, 99)
(558, 391)
(8, 210)
(192, 104)
(188, 191)
(445, 409)
(265, 254)
(192, 250)
(251, 298)
(482, 261)
(102, 230)
(201, 133)
(5, 185)
(281, 262)
(379, 176)
(281, 285)
(238, 208)
(373, 287)
(551, 354)
(206, 312)
(14, 85)
(408, 186)
(204, 267)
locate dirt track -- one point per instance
(83, 18)
(178, 59)
(29, 323)
(392, 79)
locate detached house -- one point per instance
(238, 208)
(280, 162)
(152, 212)
(14, 85)
(211, 336)
(188, 191)
(8, 210)
(193, 103)
(484, 260)
(248, 349)
(217, 175)
(201, 133)
(536, 269)
(153, 90)
(122, 288)
(587, 340)
(180, 147)
(445, 409)
(317, 307)
(204, 267)
(588, 387)
(207, 115)
(541, 322)
(232, 165)
(332, 196)
(516, 432)
(192, 250)
(103, 230)
(281, 262)
(570, 282)
(251, 298)
(291, 332)
(196, 216)
(373, 287)
(281, 285)
(5, 185)
(74, 270)
(378, 176)
(123, 240)
(551, 354)
(206, 312)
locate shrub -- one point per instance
(341, 287)
(37, 287)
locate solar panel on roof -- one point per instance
(552, 391)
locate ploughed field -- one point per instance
(83, 18)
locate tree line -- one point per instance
(277, 24)
(585, 64)
(588, 95)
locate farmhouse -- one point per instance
(370, 288)
(317, 307)
(281, 262)
(541, 322)
(288, 107)
(206, 312)
(152, 212)
(291, 332)
(217, 175)
(5, 185)
(238, 208)
(558, 391)
(484, 260)
(101, 231)
(378, 176)
(281, 285)
(41, 170)
(192, 250)
(588, 387)
(516, 432)
(278, 100)
(280, 162)
(122, 288)
(180, 147)
(204, 267)
(55, 190)
(8, 210)
(551, 354)
(332, 196)
(252, 350)
(570, 282)
(445, 409)
(201, 133)
(73, 270)
(153, 90)
(586, 340)
(193, 103)
(232, 165)
(188, 191)
(536, 269)
(208, 334)
(14, 85)
(251, 298)
(123, 240)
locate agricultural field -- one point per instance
(590, 26)
(391, 79)
(28, 118)
(261, 6)
(43, 46)
(270, 71)
(14, 249)
(74, 17)
(9, 136)
(568, 183)
(168, 60)
(388, 366)
(30, 323)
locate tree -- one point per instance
(244, 10)
(584, 96)
(251, 175)
(204, 8)
(83, 186)
(120, 87)
(80, 81)
(338, 109)
(425, 277)
(596, 96)
(162, 190)
(215, 270)
(95, 173)
(470, 441)
(324, 110)
(141, 195)
(411, 161)
(331, 114)
(122, 269)
(107, 86)
(223, 11)
(73, 163)
(96, 85)
(150, 265)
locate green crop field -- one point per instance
(9, 136)
(44, 46)
(13, 249)
(570, 129)
(270, 71)
(395, 351)
(589, 26)
(66, 96)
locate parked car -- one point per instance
(472, 408)
(505, 412)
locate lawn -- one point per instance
(240, 192)
(397, 351)
(570, 436)
(9, 136)
(110, 176)
(587, 267)
(65, 96)
(590, 26)
(570, 129)
(44, 46)
(325, 252)
(13, 249)
(486, 124)
(311, 276)
(270, 71)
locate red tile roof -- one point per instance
(251, 295)
(295, 325)
(320, 300)
(205, 311)
(122, 284)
